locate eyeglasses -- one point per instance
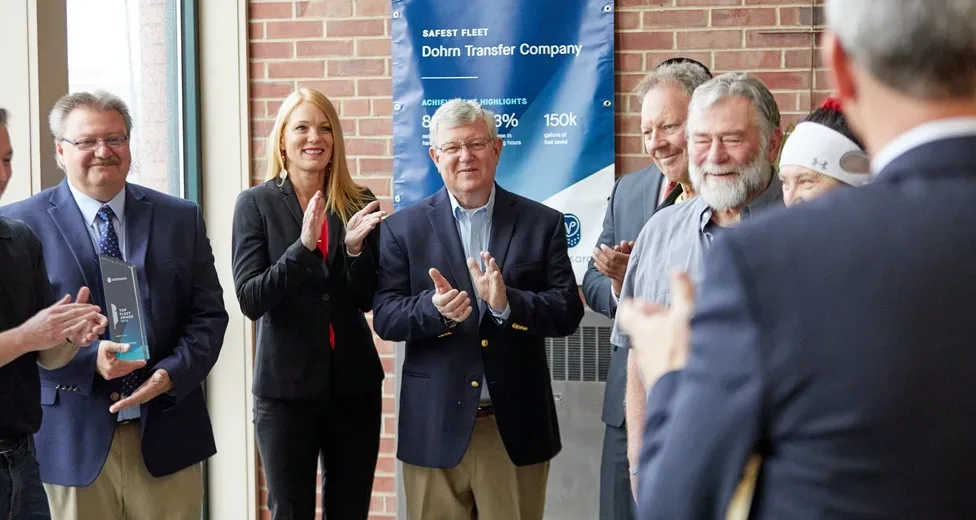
(87, 145)
(476, 145)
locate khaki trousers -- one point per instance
(124, 490)
(486, 485)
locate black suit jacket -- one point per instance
(293, 295)
(633, 201)
(443, 367)
(838, 341)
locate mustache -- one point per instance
(722, 169)
(105, 162)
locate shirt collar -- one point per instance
(922, 134)
(457, 210)
(89, 207)
(772, 195)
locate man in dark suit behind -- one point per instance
(837, 340)
(124, 439)
(664, 95)
(474, 278)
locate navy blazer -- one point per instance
(838, 341)
(184, 318)
(443, 367)
(633, 201)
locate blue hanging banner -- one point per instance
(545, 68)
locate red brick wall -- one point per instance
(342, 47)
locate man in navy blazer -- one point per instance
(474, 278)
(837, 340)
(124, 439)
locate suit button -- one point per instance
(475, 384)
(114, 396)
(484, 343)
(308, 270)
(325, 297)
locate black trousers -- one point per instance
(294, 435)
(616, 498)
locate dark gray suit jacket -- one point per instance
(632, 202)
(836, 340)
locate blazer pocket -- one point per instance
(528, 276)
(528, 266)
(172, 264)
(49, 395)
(411, 373)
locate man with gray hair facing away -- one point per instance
(123, 439)
(734, 137)
(474, 278)
(664, 93)
(837, 339)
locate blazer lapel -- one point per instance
(442, 221)
(502, 225)
(70, 222)
(138, 225)
(291, 200)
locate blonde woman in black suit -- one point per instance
(304, 249)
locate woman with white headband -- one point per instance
(821, 154)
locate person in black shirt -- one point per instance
(34, 329)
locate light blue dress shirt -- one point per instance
(89, 210)
(474, 228)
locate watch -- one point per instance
(634, 470)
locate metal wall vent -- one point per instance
(582, 356)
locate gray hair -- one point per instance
(458, 112)
(686, 75)
(98, 100)
(738, 84)
(3, 116)
(923, 48)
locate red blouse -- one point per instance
(324, 248)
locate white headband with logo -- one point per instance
(827, 151)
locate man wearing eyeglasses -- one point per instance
(474, 278)
(124, 439)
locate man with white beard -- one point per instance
(733, 140)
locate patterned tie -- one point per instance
(108, 244)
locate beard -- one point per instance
(721, 194)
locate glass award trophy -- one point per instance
(121, 290)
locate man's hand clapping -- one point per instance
(64, 322)
(453, 305)
(612, 262)
(489, 284)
